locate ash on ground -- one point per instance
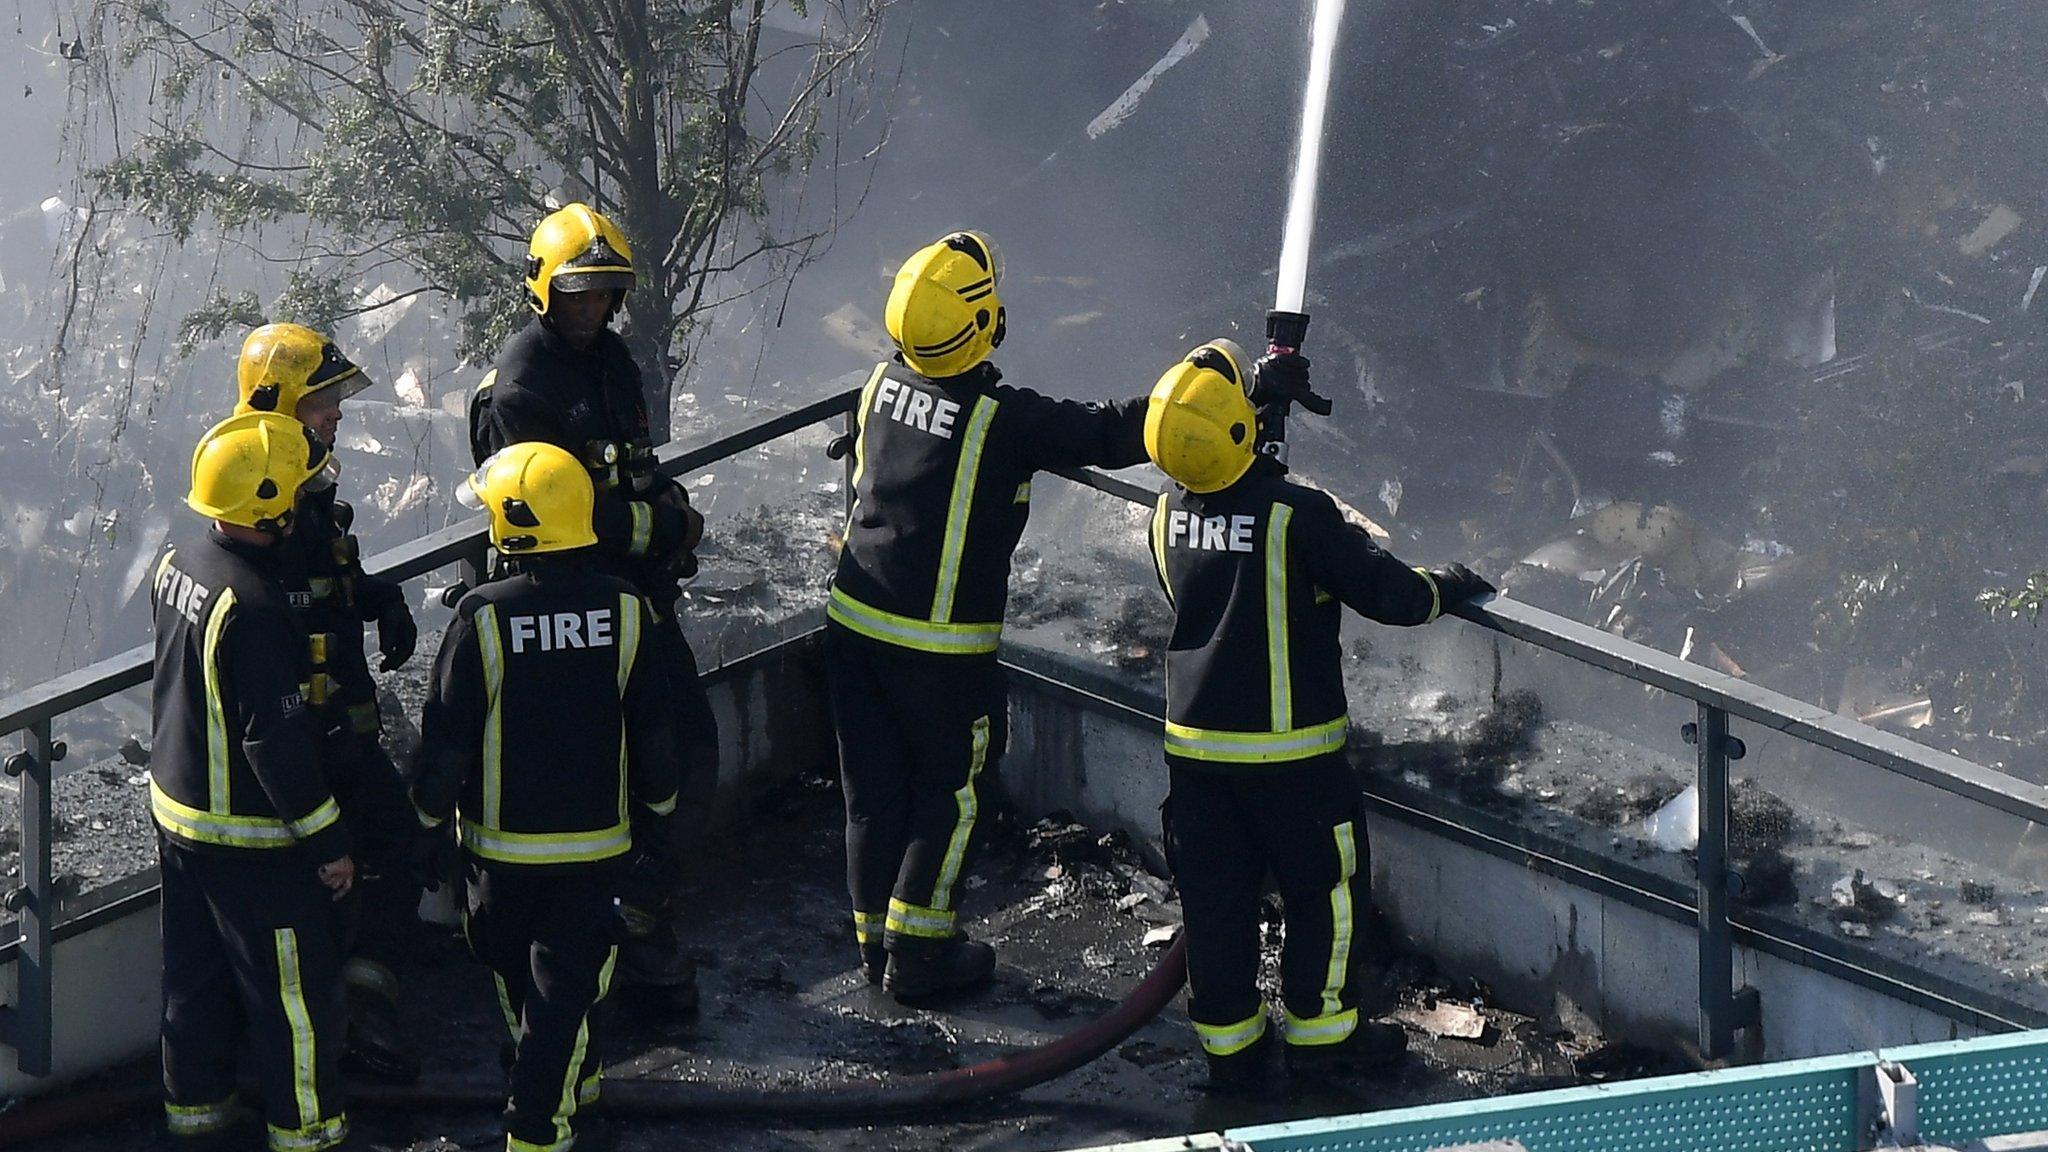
(1069, 909)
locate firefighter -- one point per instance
(944, 455)
(1258, 569)
(291, 369)
(251, 846)
(567, 379)
(547, 728)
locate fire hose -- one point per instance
(646, 1099)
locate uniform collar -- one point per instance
(979, 378)
(265, 557)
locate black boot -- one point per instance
(1372, 1047)
(874, 961)
(377, 1043)
(922, 968)
(1244, 1072)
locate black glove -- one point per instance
(430, 857)
(397, 635)
(1282, 377)
(1456, 584)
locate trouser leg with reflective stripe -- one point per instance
(277, 927)
(551, 942)
(957, 713)
(1218, 864)
(202, 1016)
(1313, 828)
(874, 773)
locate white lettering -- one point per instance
(913, 408)
(919, 416)
(1240, 533)
(568, 630)
(1210, 533)
(554, 632)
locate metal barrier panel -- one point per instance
(1802, 1106)
(1970, 1089)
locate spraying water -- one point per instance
(1308, 161)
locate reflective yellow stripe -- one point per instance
(1159, 545)
(491, 649)
(868, 926)
(322, 587)
(905, 632)
(305, 1066)
(156, 581)
(427, 821)
(860, 440)
(1023, 493)
(1279, 677)
(1225, 747)
(629, 651)
(911, 920)
(663, 807)
(566, 1110)
(966, 475)
(216, 707)
(1230, 1039)
(484, 385)
(1316, 1031)
(1340, 919)
(237, 831)
(312, 1138)
(587, 1092)
(629, 637)
(1436, 596)
(504, 996)
(963, 828)
(643, 528)
(545, 847)
(199, 1119)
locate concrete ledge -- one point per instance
(773, 723)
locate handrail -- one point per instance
(1738, 698)
(438, 549)
(1717, 695)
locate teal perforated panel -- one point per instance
(1807, 1106)
(1976, 1088)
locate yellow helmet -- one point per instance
(282, 364)
(576, 249)
(1199, 424)
(248, 470)
(944, 313)
(539, 498)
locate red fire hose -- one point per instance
(660, 1099)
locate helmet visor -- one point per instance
(470, 494)
(338, 372)
(592, 280)
(325, 475)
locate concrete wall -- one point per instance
(1595, 963)
(772, 723)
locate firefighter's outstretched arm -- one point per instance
(277, 731)
(451, 725)
(1073, 434)
(1371, 581)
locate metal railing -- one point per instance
(26, 1025)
